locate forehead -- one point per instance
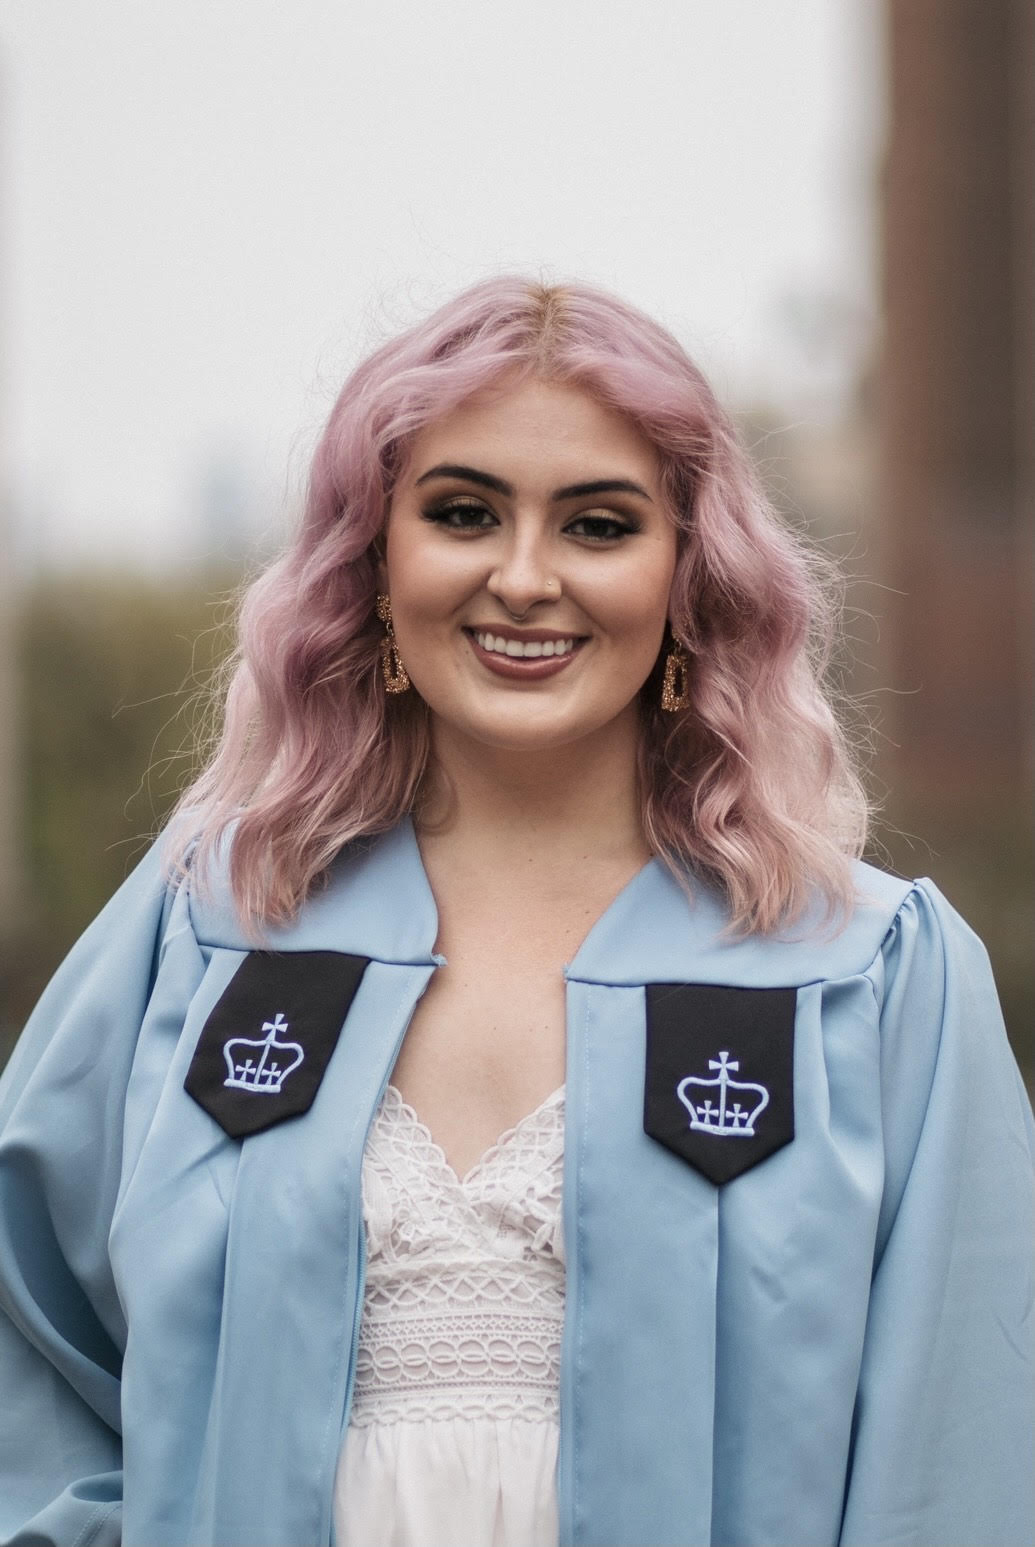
(537, 427)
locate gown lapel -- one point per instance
(294, 1260)
(641, 1244)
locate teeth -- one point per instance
(497, 645)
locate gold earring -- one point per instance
(395, 675)
(675, 689)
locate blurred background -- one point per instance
(211, 211)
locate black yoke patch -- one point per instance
(719, 1086)
(265, 1047)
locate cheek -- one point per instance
(425, 582)
(635, 602)
(426, 616)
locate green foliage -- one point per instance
(112, 679)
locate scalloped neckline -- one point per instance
(498, 1144)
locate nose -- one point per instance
(524, 576)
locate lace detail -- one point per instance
(465, 1277)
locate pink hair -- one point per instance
(753, 786)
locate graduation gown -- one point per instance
(797, 1213)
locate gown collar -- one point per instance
(377, 903)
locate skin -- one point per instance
(532, 825)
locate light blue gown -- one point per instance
(835, 1346)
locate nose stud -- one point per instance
(551, 591)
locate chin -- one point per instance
(521, 732)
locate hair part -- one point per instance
(754, 787)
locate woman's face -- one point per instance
(529, 560)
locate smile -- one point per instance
(525, 657)
(524, 649)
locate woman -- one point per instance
(510, 1112)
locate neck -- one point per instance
(576, 800)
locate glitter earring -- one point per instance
(395, 675)
(675, 688)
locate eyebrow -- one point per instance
(570, 491)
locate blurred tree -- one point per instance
(112, 677)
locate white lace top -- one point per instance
(452, 1440)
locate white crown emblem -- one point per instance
(261, 1066)
(730, 1118)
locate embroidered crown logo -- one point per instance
(735, 1111)
(261, 1066)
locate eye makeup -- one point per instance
(461, 513)
(602, 526)
(455, 511)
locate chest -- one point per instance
(486, 1043)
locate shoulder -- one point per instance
(921, 933)
(89, 1016)
(662, 930)
(373, 900)
(889, 912)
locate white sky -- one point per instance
(212, 208)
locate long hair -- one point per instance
(752, 787)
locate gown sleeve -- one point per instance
(62, 1335)
(944, 1428)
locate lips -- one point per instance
(524, 649)
(526, 655)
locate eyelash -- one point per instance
(442, 514)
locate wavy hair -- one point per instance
(753, 787)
